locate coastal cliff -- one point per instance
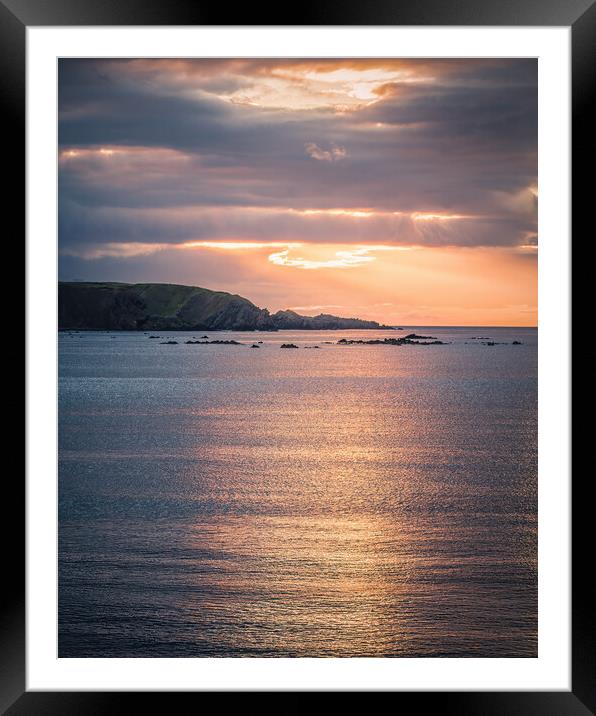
(161, 306)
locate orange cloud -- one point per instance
(348, 258)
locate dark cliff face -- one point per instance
(97, 306)
(238, 314)
(154, 306)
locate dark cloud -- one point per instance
(462, 141)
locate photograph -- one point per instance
(297, 357)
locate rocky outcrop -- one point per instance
(163, 307)
(213, 343)
(155, 307)
(406, 341)
(290, 320)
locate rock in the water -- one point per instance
(211, 343)
(288, 345)
(406, 341)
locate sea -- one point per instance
(340, 501)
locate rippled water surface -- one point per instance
(361, 500)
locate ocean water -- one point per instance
(361, 500)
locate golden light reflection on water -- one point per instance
(320, 585)
(330, 586)
(361, 536)
(357, 501)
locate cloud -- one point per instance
(347, 258)
(113, 250)
(163, 153)
(243, 227)
(333, 154)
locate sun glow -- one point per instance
(340, 89)
(421, 216)
(370, 213)
(334, 259)
(356, 213)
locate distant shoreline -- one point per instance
(173, 307)
(404, 327)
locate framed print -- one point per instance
(301, 421)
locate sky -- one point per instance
(397, 190)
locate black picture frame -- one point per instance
(15, 17)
